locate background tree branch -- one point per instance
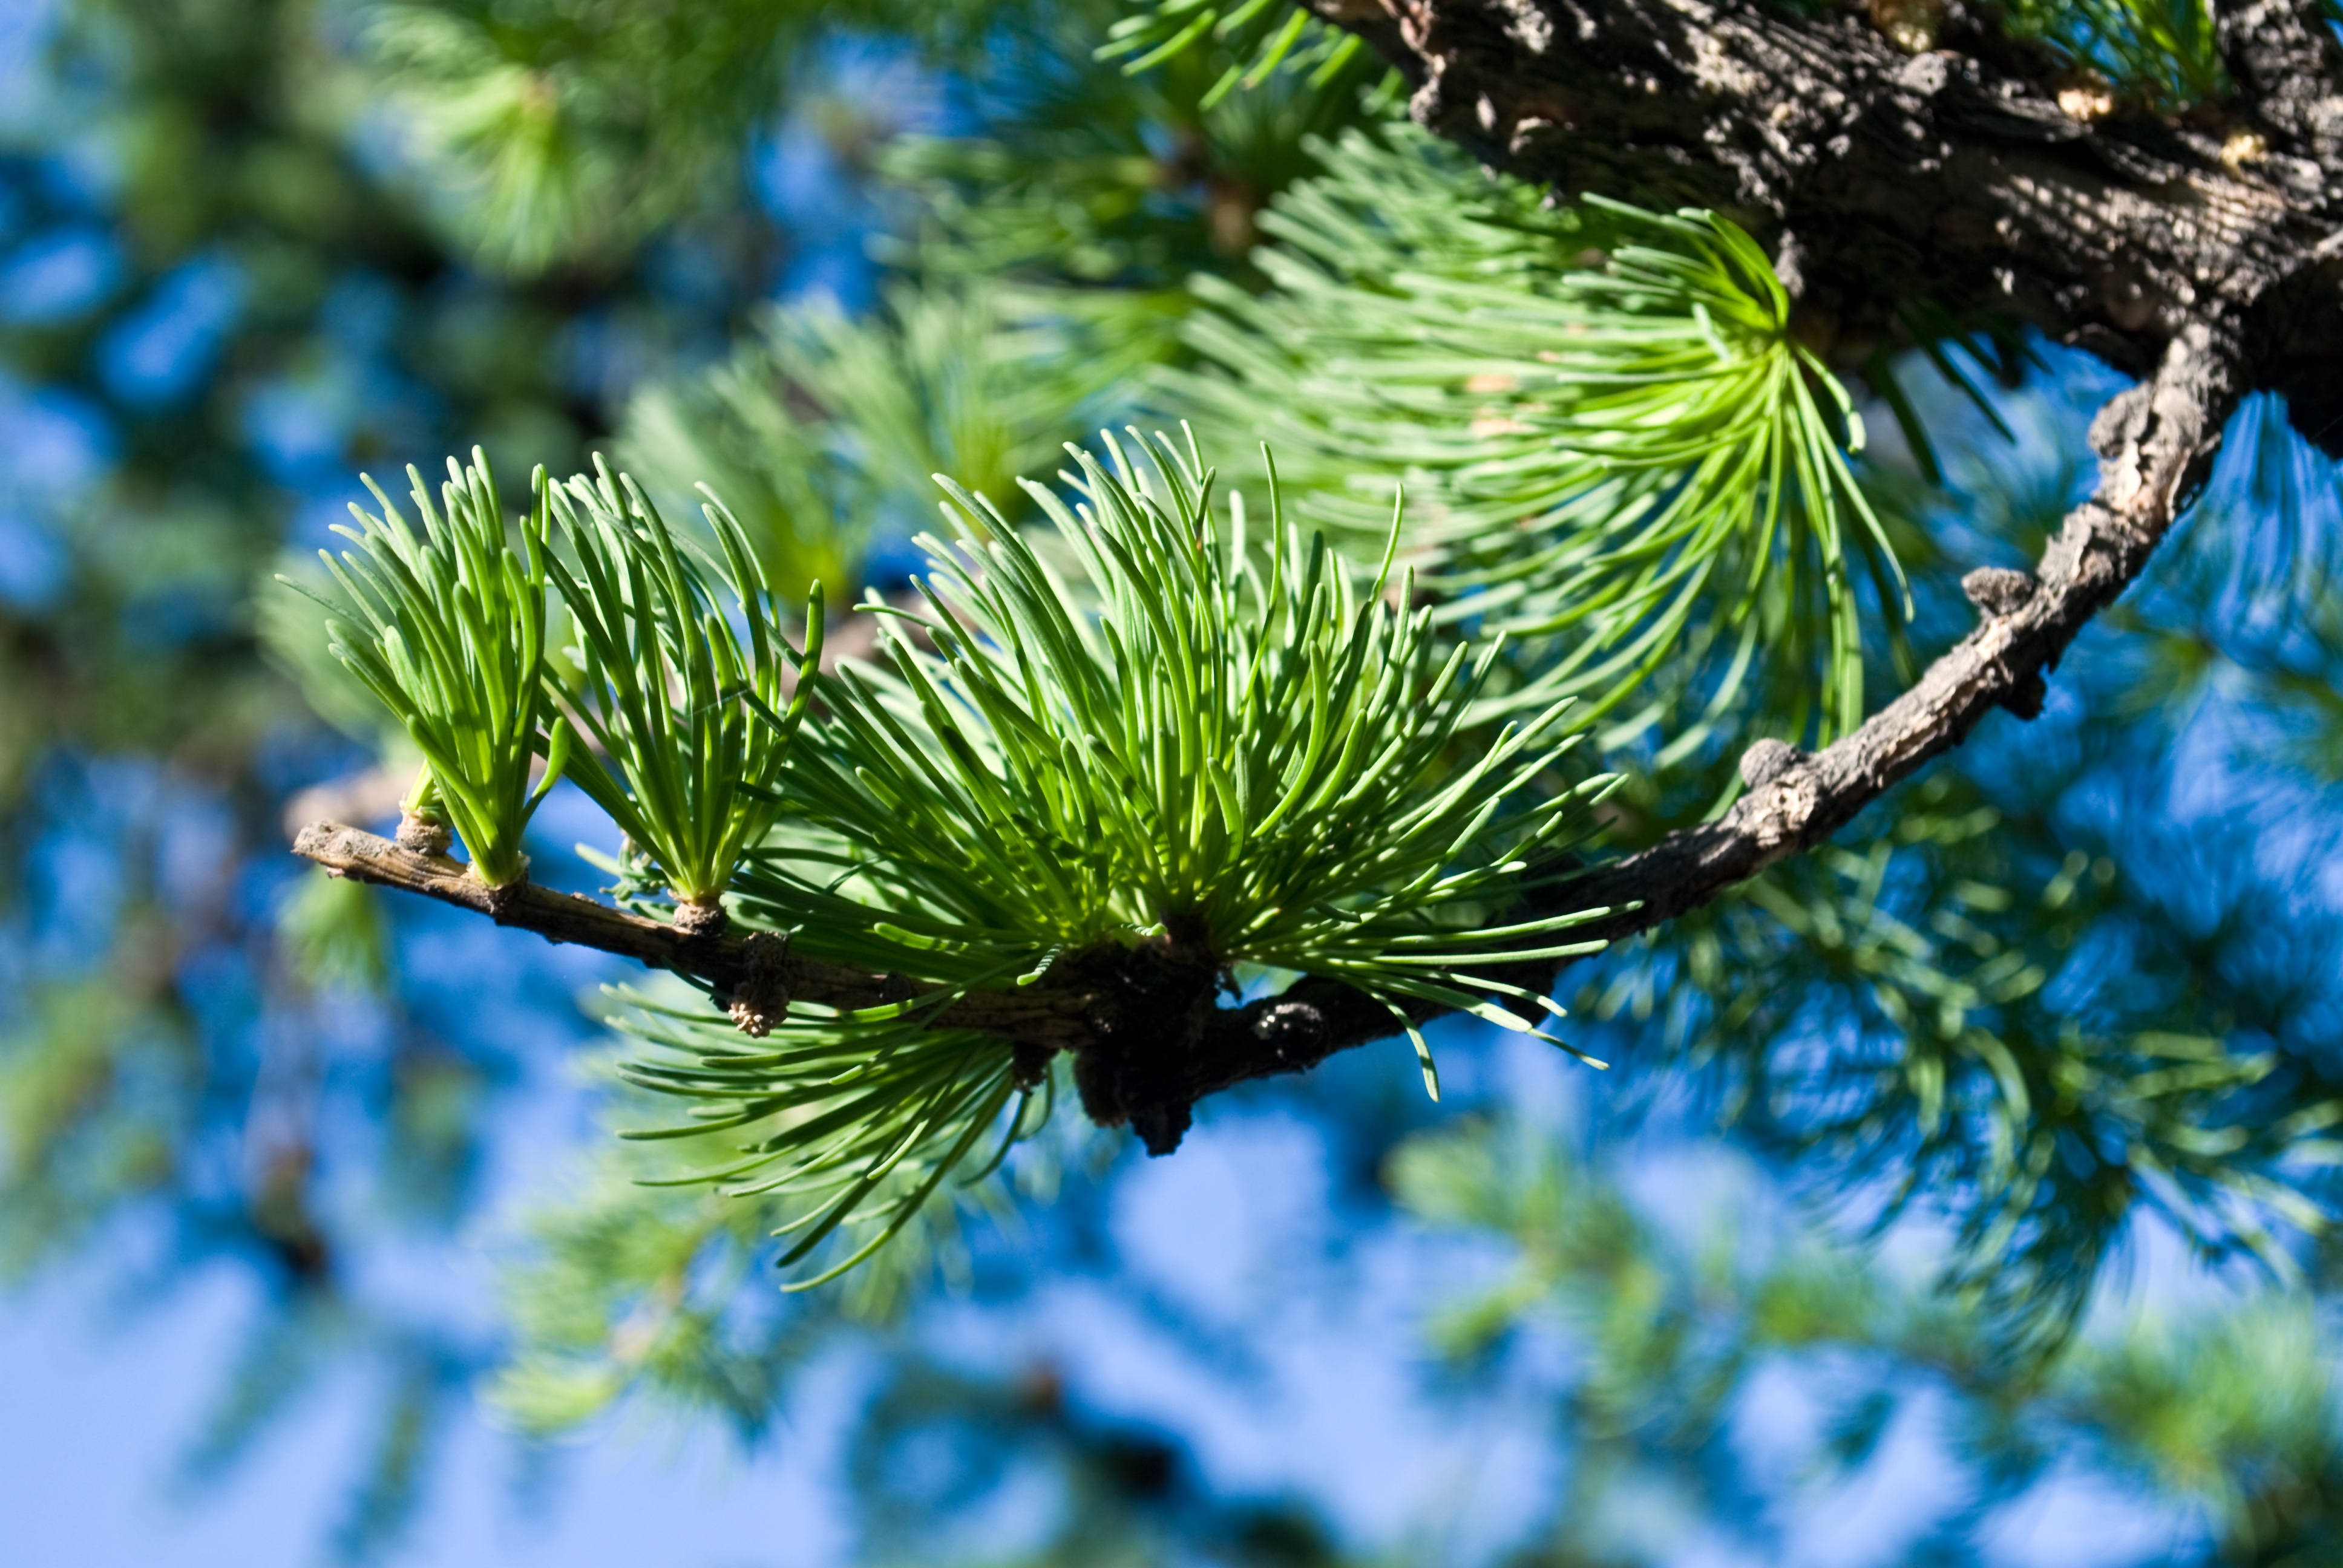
(1946, 162)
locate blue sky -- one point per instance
(1250, 1314)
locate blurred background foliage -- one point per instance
(1891, 1129)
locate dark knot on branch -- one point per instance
(701, 918)
(1161, 1126)
(761, 998)
(1030, 1064)
(1148, 1010)
(1293, 1030)
(506, 901)
(1999, 590)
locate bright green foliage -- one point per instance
(449, 636)
(1623, 457)
(695, 726)
(1238, 758)
(856, 1119)
(1264, 35)
(1245, 756)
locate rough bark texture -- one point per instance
(1975, 174)
(2200, 252)
(741, 978)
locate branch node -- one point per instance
(1999, 591)
(1029, 1063)
(2026, 699)
(701, 917)
(2122, 421)
(1294, 1032)
(506, 900)
(1767, 761)
(1161, 1126)
(422, 835)
(761, 998)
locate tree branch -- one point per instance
(725, 965)
(2156, 443)
(1946, 164)
(1149, 1041)
(2201, 253)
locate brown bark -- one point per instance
(737, 975)
(2199, 251)
(1150, 1037)
(1973, 174)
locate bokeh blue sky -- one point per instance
(1290, 1356)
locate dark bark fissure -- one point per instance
(2201, 252)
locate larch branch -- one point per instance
(1147, 1064)
(2203, 255)
(724, 964)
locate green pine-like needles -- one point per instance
(1145, 727)
(687, 725)
(1631, 465)
(1155, 731)
(448, 630)
(693, 724)
(1262, 35)
(1236, 748)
